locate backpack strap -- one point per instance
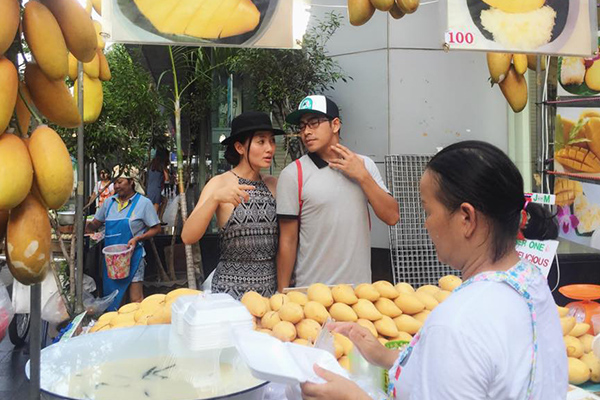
(300, 182)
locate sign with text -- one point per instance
(541, 198)
(563, 27)
(539, 253)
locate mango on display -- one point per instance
(408, 6)
(449, 282)
(254, 303)
(98, 29)
(422, 316)
(342, 313)
(104, 73)
(404, 287)
(574, 346)
(77, 27)
(579, 372)
(367, 291)
(386, 327)
(514, 89)
(365, 323)
(578, 159)
(532, 62)
(298, 297)
(429, 289)
(22, 112)
(520, 63)
(580, 329)
(270, 319)
(46, 41)
(593, 364)
(498, 65)
(387, 307)
(442, 295)
(316, 311)
(592, 76)
(366, 310)
(386, 289)
(409, 303)
(308, 329)
(16, 171)
(428, 300)
(344, 294)
(9, 23)
(383, 5)
(277, 300)
(408, 324)
(28, 241)
(567, 324)
(9, 82)
(396, 12)
(177, 293)
(320, 293)
(591, 130)
(291, 312)
(586, 341)
(360, 11)
(52, 98)
(285, 331)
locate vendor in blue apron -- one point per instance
(129, 218)
(498, 334)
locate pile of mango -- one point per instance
(581, 142)
(389, 312)
(508, 70)
(361, 11)
(583, 364)
(153, 310)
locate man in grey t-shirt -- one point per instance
(322, 204)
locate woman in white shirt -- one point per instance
(498, 336)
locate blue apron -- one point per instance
(118, 231)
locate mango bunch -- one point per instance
(508, 70)
(361, 11)
(579, 148)
(390, 313)
(583, 364)
(153, 310)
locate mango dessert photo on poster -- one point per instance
(580, 76)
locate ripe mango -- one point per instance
(320, 293)
(562, 311)
(93, 98)
(428, 300)
(16, 171)
(579, 372)
(574, 346)
(383, 5)
(396, 12)
(308, 329)
(520, 63)
(338, 350)
(498, 65)
(45, 40)
(442, 295)
(387, 307)
(408, 6)
(360, 11)
(316, 311)
(21, 110)
(52, 98)
(593, 364)
(345, 362)
(386, 327)
(346, 343)
(409, 303)
(270, 319)
(367, 291)
(532, 62)
(516, 7)
(298, 298)
(403, 337)
(592, 76)
(429, 289)
(422, 316)
(514, 89)
(578, 159)
(404, 287)
(449, 282)
(386, 289)
(567, 324)
(366, 310)
(586, 341)
(301, 342)
(580, 329)
(97, 4)
(285, 331)
(52, 165)
(9, 23)
(408, 324)
(254, 303)
(77, 27)
(104, 73)
(277, 300)
(72, 67)
(153, 300)
(9, 82)
(177, 293)
(344, 294)
(92, 68)
(129, 308)
(107, 317)
(291, 312)
(365, 323)
(98, 28)
(342, 313)
(566, 191)
(28, 241)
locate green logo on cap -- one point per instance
(307, 104)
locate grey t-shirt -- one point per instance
(334, 239)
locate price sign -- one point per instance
(459, 37)
(539, 253)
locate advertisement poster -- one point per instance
(539, 253)
(579, 76)
(577, 141)
(228, 23)
(578, 211)
(561, 27)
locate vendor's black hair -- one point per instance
(541, 223)
(231, 154)
(480, 174)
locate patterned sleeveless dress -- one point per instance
(248, 243)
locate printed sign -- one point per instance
(539, 253)
(563, 27)
(541, 198)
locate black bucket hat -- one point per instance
(250, 121)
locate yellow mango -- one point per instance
(98, 28)
(52, 166)
(254, 303)
(365, 323)
(520, 63)
(387, 307)
(346, 343)
(562, 311)
(21, 110)
(408, 324)
(593, 364)
(586, 341)
(316, 311)
(449, 282)
(308, 329)
(72, 67)
(162, 316)
(104, 73)
(344, 294)
(567, 324)
(566, 192)
(9, 82)
(142, 315)
(386, 289)
(442, 295)
(580, 329)
(153, 300)
(396, 12)
(298, 298)
(383, 5)
(409, 303)
(28, 241)
(126, 324)
(404, 287)
(591, 131)
(92, 68)
(428, 300)
(342, 313)
(422, 316)
(285, 331)
(429, 289)
(45, 40)
(514, 89)
(532, 62)
(516, 6)
(579, 372)
(98, 325)
(592, 76)
(16, 171)
(97, 4)
(365, 309)
(574, 346)
(403, 337)
(291, 312)
(386, 327)
(77, 27)
(302, 342)
(175, 294)
(382, 340)
(320, 293)
(578, 159)
(52, 98)
(498, 65)
(270, 319)
(408, 6)
(277, 300)
(345, 362)
(129, 308)
(10, 15)
(89, 7)
(360, 11)
(107, 317)
(267, 304)
(367, 291)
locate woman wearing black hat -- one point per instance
(244, 203)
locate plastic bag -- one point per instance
(96, 306)
(6, 310)
(54, 310)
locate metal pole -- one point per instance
(538, 120)
(79, 217)
(35, 341)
